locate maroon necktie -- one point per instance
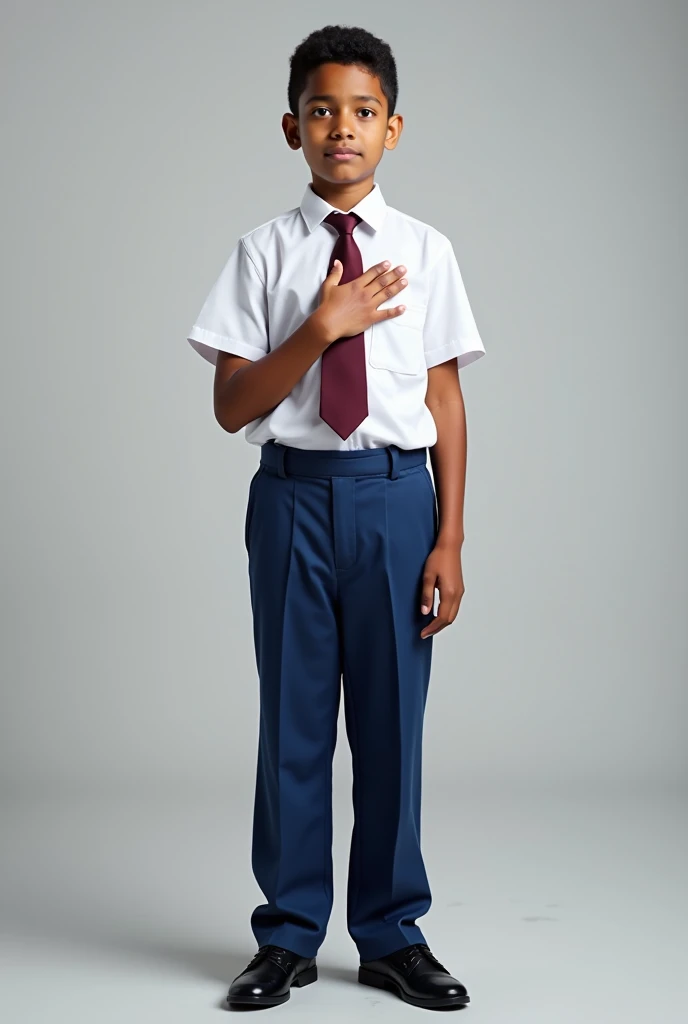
(343, 385)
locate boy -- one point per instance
(337, 330)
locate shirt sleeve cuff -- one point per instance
(207, 344)
(465, 352)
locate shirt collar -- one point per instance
(372, 208)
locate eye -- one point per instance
(367, 110)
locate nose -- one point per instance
(341, 128)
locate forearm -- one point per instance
(448, 459)
(257, 387)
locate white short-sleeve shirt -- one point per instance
(271, 282)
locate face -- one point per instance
(342, 107)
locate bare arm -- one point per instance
(444, 398)
(245, 389)
(443, 569)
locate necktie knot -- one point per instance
(344, 223)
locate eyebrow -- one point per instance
(370, 99)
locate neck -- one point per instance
(342, 195)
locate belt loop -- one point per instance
(394, 461)
(281, 452)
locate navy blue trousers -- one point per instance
(336, 543)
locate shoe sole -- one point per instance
(306, 977)
(376, 980)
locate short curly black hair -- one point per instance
(342, 44)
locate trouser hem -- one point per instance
(388, 941)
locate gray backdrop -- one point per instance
(547, 142)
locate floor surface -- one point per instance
(552, 910)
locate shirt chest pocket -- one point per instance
(397, 344)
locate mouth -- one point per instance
(341, 154)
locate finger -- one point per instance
(387, 285)
(435, 626)
(388, 293)
(427, 593)
(388, 313)
(373, 272)
(445, 607)
(445, 613)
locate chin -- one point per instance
(343, 172)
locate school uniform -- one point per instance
(337, 530)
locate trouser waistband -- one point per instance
(387, 461)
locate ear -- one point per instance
(290, 127)
(395, 126)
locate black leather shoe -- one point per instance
(416, 976)
(269, 976)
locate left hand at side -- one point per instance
(442, 571)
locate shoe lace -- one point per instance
(414, 954)
(277, 954)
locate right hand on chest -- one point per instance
(348, 309)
